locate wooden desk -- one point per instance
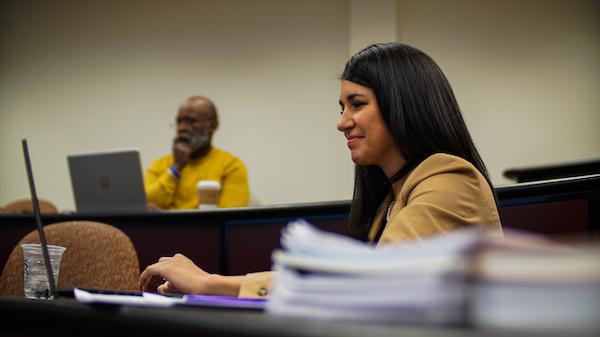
(555, 208)
(240, 240)
(225, 241)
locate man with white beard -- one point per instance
(171, 181)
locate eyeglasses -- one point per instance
(189, 121)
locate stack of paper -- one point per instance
(327, 276)
(521, 281)
(528, 283)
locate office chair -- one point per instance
(97, 256)
(26, 206)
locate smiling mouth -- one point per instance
(352, 141)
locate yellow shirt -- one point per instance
(442, 193)
(168, 192)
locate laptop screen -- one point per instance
(107, 181)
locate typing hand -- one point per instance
(176, 274)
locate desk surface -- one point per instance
(342, 206)
(66, 317)
(553, 171)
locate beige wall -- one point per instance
(371, 21)
(90, 75)
(526, 74)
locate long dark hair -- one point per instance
(421, 112)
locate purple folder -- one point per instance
(225, 302)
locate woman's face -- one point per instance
(369, 140)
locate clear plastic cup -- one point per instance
(208, 194)
(35, 277)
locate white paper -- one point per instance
(147, 299)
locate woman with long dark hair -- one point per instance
(420, 170)
(417, 170)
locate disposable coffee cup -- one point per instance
(35, 277)
(208, 194)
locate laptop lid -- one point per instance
(38, 219)
(107, 181)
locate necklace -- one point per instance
(389, 210)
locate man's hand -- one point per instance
(182, 152)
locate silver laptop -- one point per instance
(107, 181)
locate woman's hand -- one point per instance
(178, 274)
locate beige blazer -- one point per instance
(442, 193)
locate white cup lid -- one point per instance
(209, 184)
